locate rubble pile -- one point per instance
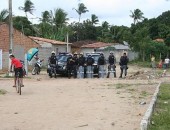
(143, 75)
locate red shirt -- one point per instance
(16, 63)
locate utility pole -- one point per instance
(67, 42)
(10, 28)
(10, 33)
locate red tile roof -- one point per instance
(48, 40)
(96, 45)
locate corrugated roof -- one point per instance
(48, 40)
(96, 45)
(121, 47)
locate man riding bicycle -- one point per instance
(17, 68)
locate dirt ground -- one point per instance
(75, 104)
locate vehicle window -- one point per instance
(63, 58)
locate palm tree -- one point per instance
(94, 19)
(81, 9)
(46, 16)
(59, 18)
(137, 15)
(28, 7)
(4, 15)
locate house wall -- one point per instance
(87, 50)
(21, 44)
(61, 48)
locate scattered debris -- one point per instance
(83, 125)
(38, 79)
(144, 75)
(142, 103)
(112, 123)
(16, 113)
(166, 102)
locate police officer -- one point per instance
(81, 63)
(123, 64)
(75, 65)
(112, 66)
(101, 62)
(89, 63)
(70, 64)
(52, 61)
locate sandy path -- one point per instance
(74, 104)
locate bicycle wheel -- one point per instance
(34, 71)
(17, 85)
(19, 88)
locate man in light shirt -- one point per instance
(167, 62)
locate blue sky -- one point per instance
(116, 12)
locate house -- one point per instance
(94, 47)
(21, 44)
(118, 50)
(48, 45)
(76, 46)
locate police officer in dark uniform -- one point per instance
(81, 63)
(123, 64)
(70, 64)
(52, 61)
(89, 69)
(112, 66)
(101, 62)
(75, 65)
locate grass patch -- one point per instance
(144, 94)
(161, 116)
(2, 91)
(119, 86)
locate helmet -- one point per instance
(101, 54)
(111, 52)
(75, 53)
(53, 52)
(81, 53)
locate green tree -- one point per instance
(94, 19)
(24, 25)
(28, 7)
(59, 18)
(81, 9)
(136, 15)
(46, 17)
(4, 15)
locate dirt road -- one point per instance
(75, 104)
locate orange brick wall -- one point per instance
(18, 39)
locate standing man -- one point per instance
(101, 62)
(81, 63)
(75, 65)
(89, 62)
(70, 64)
(17, 68)
(167, 62)
(123, 64)
(112, 66)
(52, 61)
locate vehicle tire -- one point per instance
(34, 71)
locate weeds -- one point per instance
(2, 91)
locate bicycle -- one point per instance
(18, 83)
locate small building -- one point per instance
(48, 45)
(21, 44)
(94, 47)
